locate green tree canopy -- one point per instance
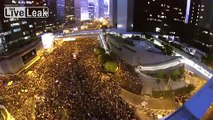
(103, 58)
(99, 51)
(111, 66)
(175, 75)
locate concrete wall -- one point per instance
(124, 51)
(13, 63)
(166, 70)
(129, 56)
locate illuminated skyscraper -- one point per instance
(84, 10)
(60, 8)
(201, 13)
(77, 9)
(96, 3)
(91, 9)
(101, 7)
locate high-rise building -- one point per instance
(106, 10)
(52, 10)
(96, 3)
(69, 11)
(91, 9)
(14, 33)
(201, 18)
(101, 7)
(113, 12)
(38, 24)
(77, 9)
(69, 7)
(146, 15)
(155, 13)
(125, 14)
(18, 44)
(60, 8)
(57, 10)
(201, 13)
(84, 10)
(81, 9)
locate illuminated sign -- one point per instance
(26, 12)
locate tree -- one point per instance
(151, 40)
(111, 66)
(158, 82)
(135, 37)
(148, 36)
(182, 72)
(104, 27)
(175, 75)
(99, 51)
(168, 49)
(103, 58)
(167, 80)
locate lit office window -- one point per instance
(17, 30)
(24, 22)
(14, 24)
(30, 26)
(5, 21)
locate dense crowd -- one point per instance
(59, 87)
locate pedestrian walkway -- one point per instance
(152, 102)
(154, 112)
(153, 107)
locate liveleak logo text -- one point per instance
(26, 12)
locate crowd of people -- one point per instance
(129, 79)
(58, 87)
